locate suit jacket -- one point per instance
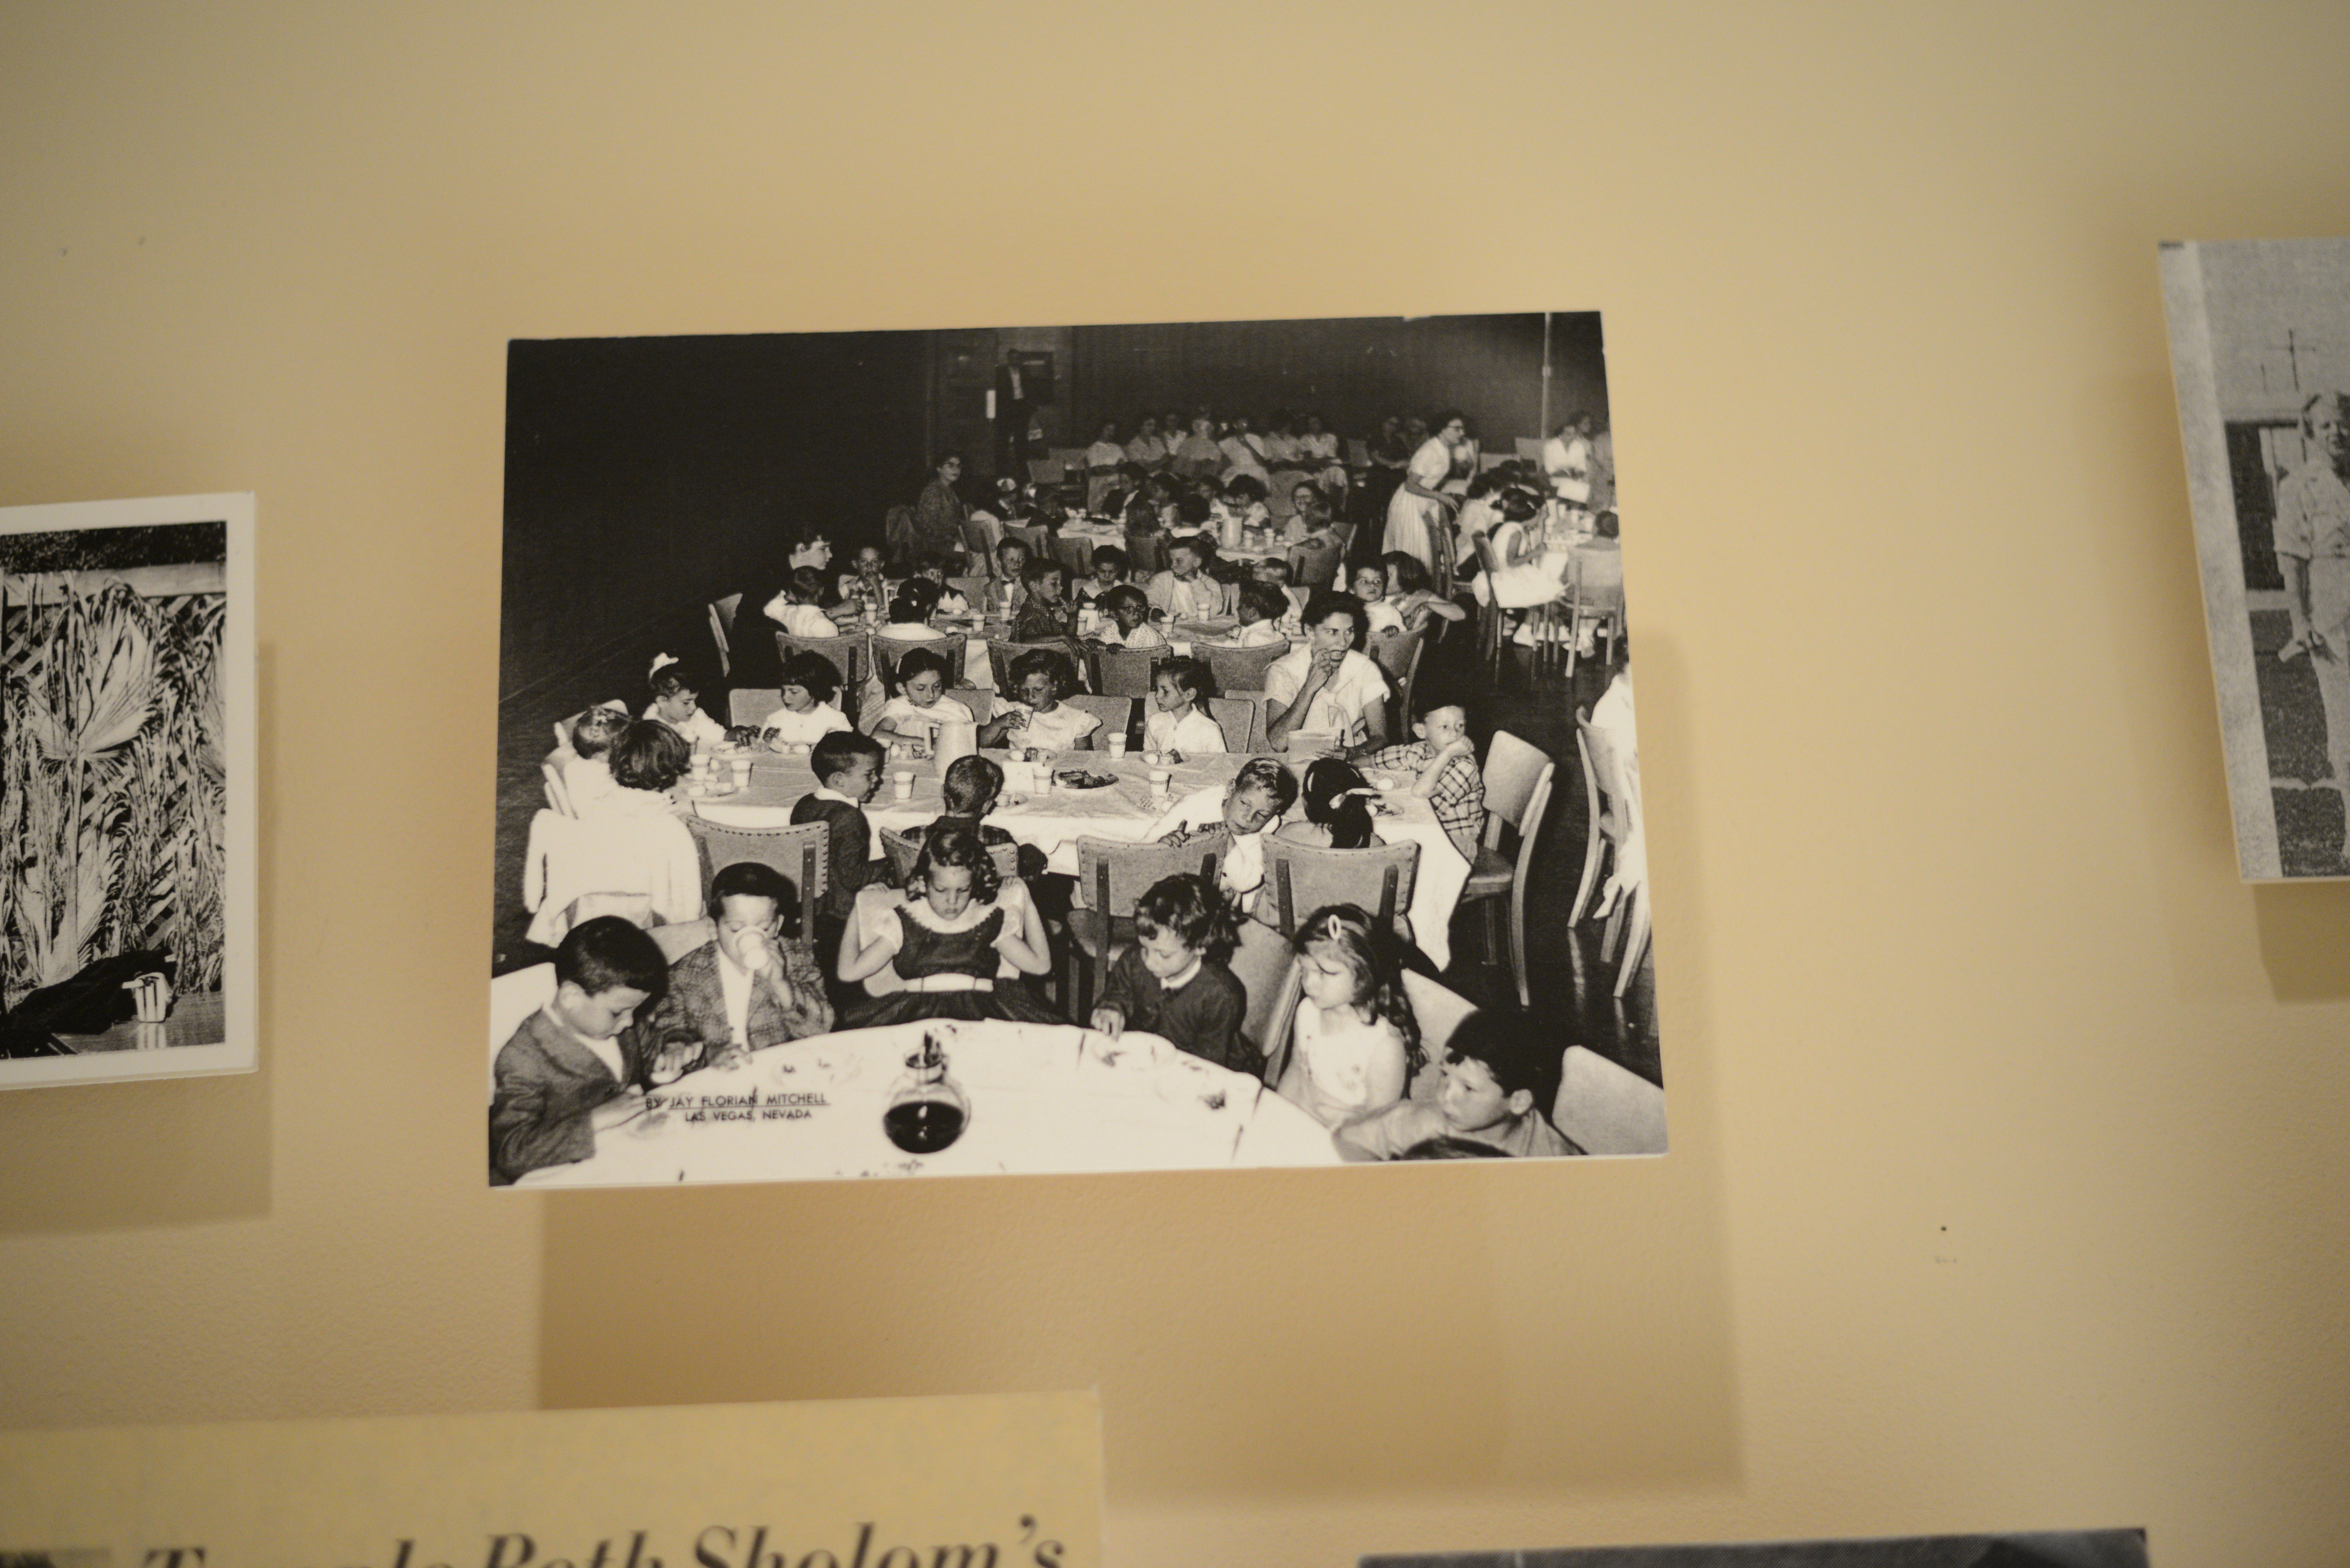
(548, 1084)
(851, 863)
(697, 1001)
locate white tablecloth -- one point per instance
(1052, 821)
(1044, 1098)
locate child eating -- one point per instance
(1179, 729)
(1044, 614)
(799, 608)
(1353, 1042)
(1444, 761)
(1489, 1093)
(1037, 721)
(1108, 573)
(809, 714)
(1236, 816)
(1129, 620)
(677, 703)
(566, 1075)
(921, 705)
(1173, 983)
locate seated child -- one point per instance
(1109, 572)
(1262, 608)
(750, 986)
(1412, 592)
(1444, 762)
(1235, 817)
(1130, 619)
(568, 1073)
(848, 768)
(921, 705)
(1011, 565)
(1352, 1044)
(969, 790)
(1370, 583)
(1489, 1092)
(586, 770)
(1044, 614)
(1178, 690)
(677, 703)
(1037, 721)
(1336, 801)
(932, 569)
(799, 608)
(946, 940)
(1242, 504)
(1185, 591)
(1173, 983)
(1273, 571)
(810, 710)
(911, 611)
(863, 580)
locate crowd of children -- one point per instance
(967, 930)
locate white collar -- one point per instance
(825, 792)
(1175, 983)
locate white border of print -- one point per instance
(241, 941)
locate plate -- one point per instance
(1075, 778)
(709, 791)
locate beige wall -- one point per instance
(2007, 1186)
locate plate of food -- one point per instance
(711, 791)
(1078, 778)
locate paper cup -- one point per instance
(1162, 780)
(901, 784)
(1117, 745)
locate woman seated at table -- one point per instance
(1233, 819)
(1198, 457)
(948, 938)
(1324, 686)
(1036, 719)
(1147, 449)
(1317, 445)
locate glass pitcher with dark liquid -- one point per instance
(927, 1109)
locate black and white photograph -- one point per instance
(2260, 348)
(127, 781)
(1066, 749)
(2051, 1549)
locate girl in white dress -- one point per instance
(921, 705)
(808, 714)
(1179, 729)
(1353, 1045)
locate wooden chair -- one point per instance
(973, 589)
(1517, 795)
(1263, 962)
(978, 541)
(1116, 713)
(1316, 565)
(1491, 617)
(558, 797)
(1595, 836)
(1379, 879)
(1281, 1025)
(1242, 718)
(1240, 671)
(1112, 874)
(1607, 1108)
(1437, 1009)
(802, 853)
(1076, 555)
(999, 655)
(1615, 779)
(1442, 564)
(888, 650)
(1595, 598)
(752, 704)
(1124, 671)
(1398, 653)
(1145, 556)
(846, 654)
(980, 703)
(902, 848)
(722, 629)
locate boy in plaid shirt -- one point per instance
(1449, 778)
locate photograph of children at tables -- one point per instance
(1208, 792)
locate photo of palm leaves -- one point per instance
(115, 791)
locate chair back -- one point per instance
(1261, 962)
(1125, 672)
(1314, 564)
(980, 703)
(1145, 555)
(1038, 539)
(1240, 671)
(1281, 1016)
(676, 941)
(558, 797)
(1112, 874)
(802, 853)
(1304, 879)
(846, 654)
(748, 705)
(973, 589)
(1437, 1009)
(1442, 552)
(1076, 555)
(1599, 581)
(1490, 618)
(1116, 713)
(889, 650)
(979, 538)
(1396, 653)
(1359, 453)
(513, 997)
(1605, 1108)
(898, 539)
(1242, 718)
(903, 847)
(999, 655)
(1517, 786)
(722, 629)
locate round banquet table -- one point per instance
(1053, 820)
(1044, 1098)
